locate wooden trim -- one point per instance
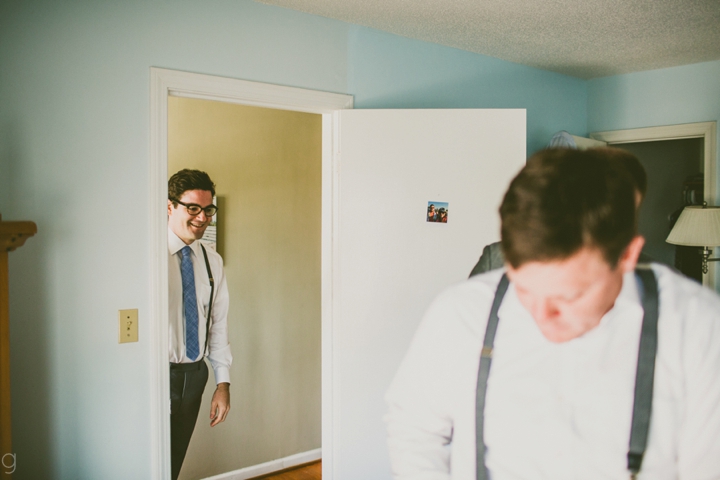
(163, 83)
(5, 408)
(272, 467)
(298, 472)
(12, 235)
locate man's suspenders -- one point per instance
(483, 375)
(645, 371)
(212, 290)
(642, 406)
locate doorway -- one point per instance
(170, 83)
(266, 164)
(704, 147)
(675, 171)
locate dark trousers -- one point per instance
(187, 383)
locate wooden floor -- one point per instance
(309, 471)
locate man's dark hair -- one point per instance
(564, 200)
(185, 180)
(633, 166)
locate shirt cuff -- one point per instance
(222, 374)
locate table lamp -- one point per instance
(698, 226)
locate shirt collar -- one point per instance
(175, 244)
(628, 304)
(511, 304)
(629, 293)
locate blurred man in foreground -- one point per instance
(599, 369)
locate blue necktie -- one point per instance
(190, 303)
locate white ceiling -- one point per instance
(582, 38)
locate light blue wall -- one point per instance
(74, 143)
(387, 71)
(668, 96)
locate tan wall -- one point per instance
(267, 167)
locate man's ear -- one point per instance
(630, 256)
(170, 207)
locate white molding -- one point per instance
(230, 90)
(705, 130)
(163, 83)
(158, 338)
(647, 134)
(270, 467)
(329, 223)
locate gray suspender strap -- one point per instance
(212, 290)
(483, 374)
(642, 405)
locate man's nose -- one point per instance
(201, 217)
(544, 309)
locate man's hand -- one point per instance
(220, 405)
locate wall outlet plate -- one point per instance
(128, 325)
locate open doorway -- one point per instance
(166, 84)
(267, 166)
(675, 170)
(680, 146)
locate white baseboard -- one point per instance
(269, 467)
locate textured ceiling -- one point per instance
(582, 38)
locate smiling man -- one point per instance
(198, 306)
(559, 366)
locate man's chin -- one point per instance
(558, 335)
(197, 234)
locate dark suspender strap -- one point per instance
(210, 305)
(483, 374)
(642, 408)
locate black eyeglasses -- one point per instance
(195, 209)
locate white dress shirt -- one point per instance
(558, 411)
(218, 347)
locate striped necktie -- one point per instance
(190, 304)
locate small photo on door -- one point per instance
(437, 212)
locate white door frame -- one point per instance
(164, 83)
(705, 130)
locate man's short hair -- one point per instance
(564, 200)
(633, 166)
(185, 180)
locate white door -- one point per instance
(391, 262)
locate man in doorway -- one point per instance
(198, 307)
(569, 362)
(492, 255)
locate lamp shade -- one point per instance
(697, 227)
